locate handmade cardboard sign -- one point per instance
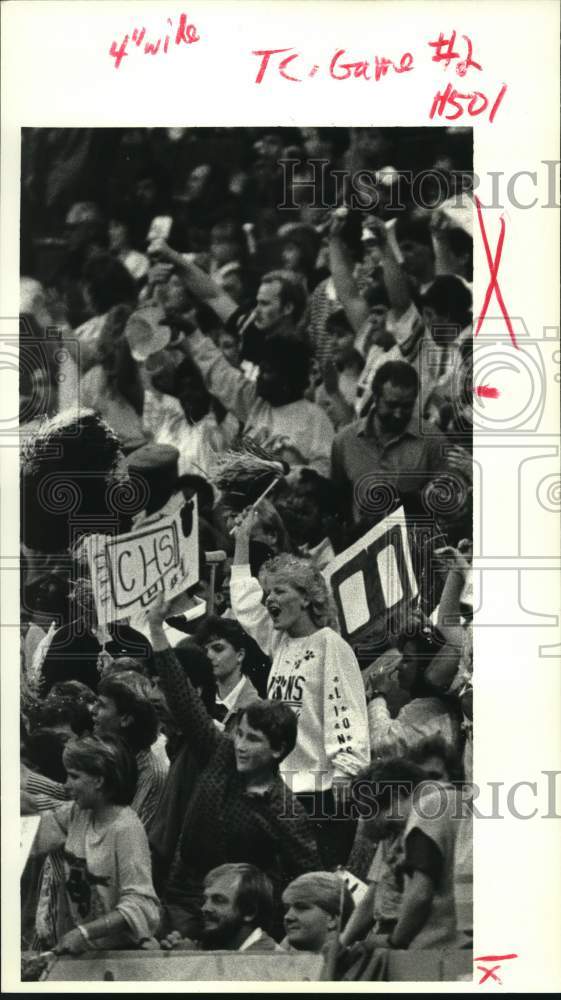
(373, 581)
(129, 571)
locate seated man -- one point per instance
(391, 453)
(318, 904)
(236, 912)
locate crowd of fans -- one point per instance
(227, 771)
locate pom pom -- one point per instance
(243, 474)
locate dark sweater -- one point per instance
(224, 823)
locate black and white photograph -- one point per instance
(246, 535)
(280, 506)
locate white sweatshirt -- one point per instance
(319, 677)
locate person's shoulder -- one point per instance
(264, 943)
(335, 641)
(330, 637)
(127, 822)
(349, 432)
(70, 812)
(91, 327)
(434, 801)
(248, 694)
(93, 378)
(65, 640)
(149, 763)
(308, 406)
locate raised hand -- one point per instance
(460, 461)
(160, 249)
(377, 227)
(438, 222)
(337, 222)
(455, 559)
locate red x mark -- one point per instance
(490, 973)
(494, 272)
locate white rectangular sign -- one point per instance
(373, 577)
(129, 571)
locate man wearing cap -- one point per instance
(318, 904)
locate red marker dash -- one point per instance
(487, 391)
(494, 958)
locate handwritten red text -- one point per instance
(448, 50)
(185, 34)
(444, 52)
(473, 104)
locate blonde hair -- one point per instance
(301, 574)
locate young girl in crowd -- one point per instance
(315, 672)
(109, 900)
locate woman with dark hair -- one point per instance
(226, 645)
(123, 710)
(109, 899)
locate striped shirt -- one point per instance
(152, 774)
